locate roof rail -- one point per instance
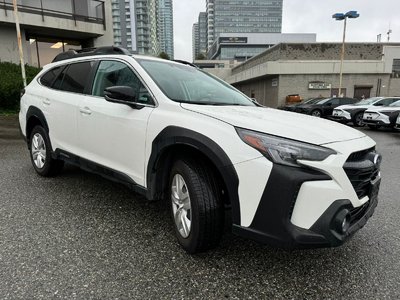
(90, 51)
(185, 63)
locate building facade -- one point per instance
(166, 27)
(195, 41)
(242, 16)
(49, 27)
(144, 26)
(199, 36)
(312, 70)
(243, 46)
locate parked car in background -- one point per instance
(385, 116)
(324, 107)
(353, 113)
(397, 126)
(292, 106)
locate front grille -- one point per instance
(360, 154)
(361, 170)
(357, 212)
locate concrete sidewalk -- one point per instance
(9, 128)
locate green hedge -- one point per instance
(11, 84)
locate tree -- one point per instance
(200, 56)
(163, 55)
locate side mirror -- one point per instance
(329, 104)
(123, 95)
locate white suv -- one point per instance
(171, 131)
(354, 112)
(385, 116)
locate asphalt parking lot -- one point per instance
(81, 236)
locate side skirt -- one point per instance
(98, 169)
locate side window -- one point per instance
(74, 78)
(349, 101)
(334, 101)
(48, 78)
(114, 73)
(385, 102)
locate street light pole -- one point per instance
(344, 17)
(342, 58)
(21, 53)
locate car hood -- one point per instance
(280, 123)
(353, 107)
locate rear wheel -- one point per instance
(316, 113)
(40, 152)
(196, 208)
(358, 120)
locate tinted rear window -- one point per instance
(75, 77)
(48, 78)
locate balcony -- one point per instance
(76, 15)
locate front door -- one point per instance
(113, 134)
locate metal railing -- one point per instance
(92, 12)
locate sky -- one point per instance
(305, 16)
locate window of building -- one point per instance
(396, 68)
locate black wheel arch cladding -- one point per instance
(174, 135)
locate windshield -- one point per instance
(368, 101)
(187, 84)
(395, 104)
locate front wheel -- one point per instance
(358, 120)
(196, 208)
(40, 152)
(316, 113)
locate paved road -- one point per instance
(80, 236)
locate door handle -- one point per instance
(85, 110)
(46, 101)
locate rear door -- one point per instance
(112, 134)
(62, 99)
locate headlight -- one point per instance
(390, 113)
(283, 151)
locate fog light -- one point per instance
(342, 221)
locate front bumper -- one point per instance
(341, 119)
(273, 223)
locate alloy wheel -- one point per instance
(38, 149)
(181, 206)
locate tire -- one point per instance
(374, 127)
(358, 120)
(316, 113)
(40, 153)
(202, 207)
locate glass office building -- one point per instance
(243, 16)
(143, 26)
(166, 27)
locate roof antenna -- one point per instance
(388, 33)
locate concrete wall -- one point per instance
(271, 96)
(262, 89)
(107, 39)
(9, 45)
(394, 87)
(314, 51)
